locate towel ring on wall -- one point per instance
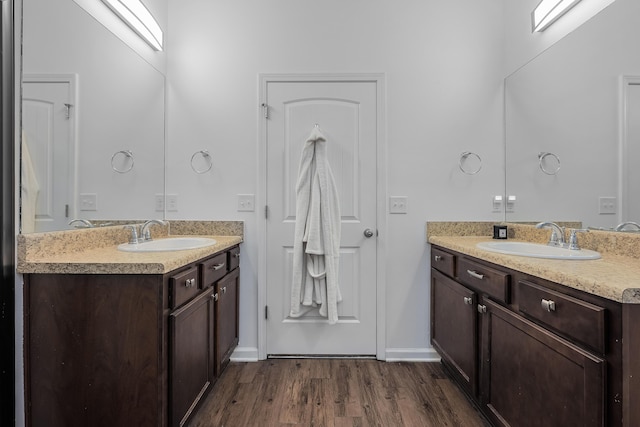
(464, 157)
(126, 155)
(546, 168)
(205, 154)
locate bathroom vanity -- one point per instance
(529, 350)
(136, 340)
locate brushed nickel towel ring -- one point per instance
(126, 156)
(205, 154)
(546, 168)
(464, 157)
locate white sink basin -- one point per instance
(169, 244)
(537, 250)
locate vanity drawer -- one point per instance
(214, 269)
(574, 318)
(234, 258)
(443, 261)
(184, 286)
(487, 280)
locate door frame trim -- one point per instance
(381, 195)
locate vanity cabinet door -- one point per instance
(531, 377)
(454, 328)
(191, 355)
(226, 323)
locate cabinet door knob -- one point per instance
(482, 308)
(437, 258)
(468, 300)
(548, 305)
(475, 274)
(224, 290)
(189, 283)
(215, 297)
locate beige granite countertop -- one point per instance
(94, 251)
(615, 277)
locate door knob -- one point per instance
(368, 233)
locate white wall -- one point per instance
(444, 67)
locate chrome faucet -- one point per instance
(557, 233)
(145, 233)
(84, 223)
(622, 226)
(133, 238)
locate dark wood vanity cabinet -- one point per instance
(528, 351)
(128, 350)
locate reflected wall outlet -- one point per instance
(88, 202)
(607, 205)
(398, 204)
(246, 202)
(159, 200)
(172, 203)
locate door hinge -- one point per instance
(266, 212)
(68, 112)
(266, 311)
(265, 109)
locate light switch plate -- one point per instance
(246, 202)
(88, 202)
(398, 204)
(172, 203)
(607, 205)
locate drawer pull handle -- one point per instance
(217, 266)
(189, 283)
(468, 300)
(475, 274)
(482, 308)
(237, 255)
(548, 305)
(215, 297)
(438, 258)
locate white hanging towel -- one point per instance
(30, 189)
(316, 245)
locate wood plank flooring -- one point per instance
(335, 393)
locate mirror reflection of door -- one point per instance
(631, 150)
(48, 153)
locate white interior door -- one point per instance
(47, 121)
(345, 111)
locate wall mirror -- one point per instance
(572, 119)
(93, 122)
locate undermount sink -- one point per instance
(537, 250)
(169, 244)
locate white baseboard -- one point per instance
(412, 355)
(245, 354)
(250, 354)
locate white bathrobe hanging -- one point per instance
(316, 247)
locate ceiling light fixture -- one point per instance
(548, 11)
(137, 16)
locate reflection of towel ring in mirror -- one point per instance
(205, 154)
(464, 157)
(127, 155)
(548, 170)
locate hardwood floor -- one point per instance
(335, 393)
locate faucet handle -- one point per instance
(573, 238)
(133, 239)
